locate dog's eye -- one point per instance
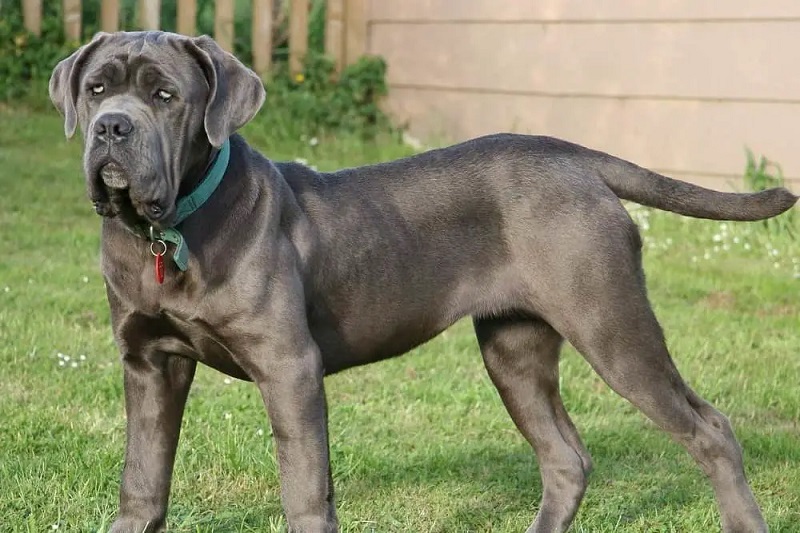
(164, 95)
(98, 89)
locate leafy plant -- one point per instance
(24, 57)
(761, 174)
(315, 101)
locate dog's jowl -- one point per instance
(335, 270)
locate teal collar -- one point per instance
(185, 207)
(189, 204)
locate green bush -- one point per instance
(314, 103)
(25, 59)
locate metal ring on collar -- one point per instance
(162, 243)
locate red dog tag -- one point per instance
(160, 268)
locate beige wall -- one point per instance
(680, 86)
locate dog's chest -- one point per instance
(147, 282)
(194, 321)
(207, 343)
(140, 290)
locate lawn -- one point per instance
(420, 443)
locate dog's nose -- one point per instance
(113, 127)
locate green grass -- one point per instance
(420, 443)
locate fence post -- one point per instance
(223, 24)
(187, 17)
(72, 20)
(355, 30)
(32, 15)
(150, 14)
(262, 36)
(334, 32)
(298, 35)
(109, 15)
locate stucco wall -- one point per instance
(680, 86)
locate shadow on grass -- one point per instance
(642, 477)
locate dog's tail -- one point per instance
(632, 182)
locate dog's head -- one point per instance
(150, 105)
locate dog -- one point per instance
(278, 274)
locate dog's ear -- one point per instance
(235, 93)
(65, 80)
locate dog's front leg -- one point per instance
(156, 387)
(294, 394)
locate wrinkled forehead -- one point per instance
(148, 60)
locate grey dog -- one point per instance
(288, 274)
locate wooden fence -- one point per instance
(345, 25)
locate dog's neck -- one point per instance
(194, 198)
(197, 169)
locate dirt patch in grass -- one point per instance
(724, 300)
(778, 310)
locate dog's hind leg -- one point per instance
(521, 356)
(606, 315)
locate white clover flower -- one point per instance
(82, 358)
(227, 416)
(260, 432)
(747, 246)
(736, 240)
(313, 141)
(227, 381)
(74, 364)
(717, 237)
